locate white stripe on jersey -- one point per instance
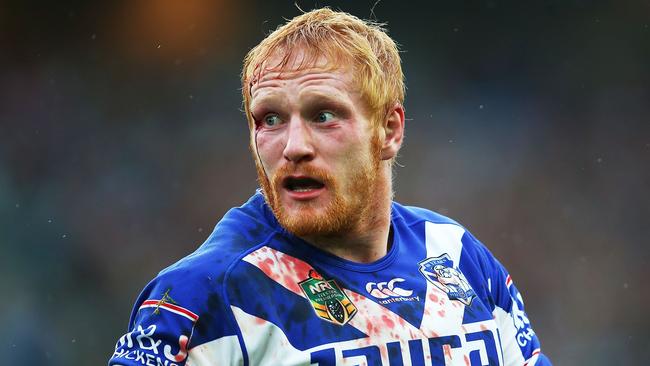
(444, 239)
(511, 350)
(442, 315)
(271, 347)
(371, 319)
(224, 351)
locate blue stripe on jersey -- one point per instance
(471, 267)
(258, 295)
(403, 258)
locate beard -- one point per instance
(345, 212)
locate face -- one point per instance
(317, 152)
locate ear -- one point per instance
(392, 132)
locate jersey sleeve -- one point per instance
(179, 320)
(518, 339)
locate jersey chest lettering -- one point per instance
(477, 348)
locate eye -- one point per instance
(271, 120)
(322, 117)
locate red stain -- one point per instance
(433, 298)
(281, 267)
(182, 353)
(299, 268)
(466, 360)
(265, 265)
(441, 312)
(370, 328)
(384, 352)
(389, 323)
(447, 349)
(483, 327)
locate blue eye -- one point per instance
(324, 117)
(271, 120)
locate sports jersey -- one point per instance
(254, 294)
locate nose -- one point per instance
(299, 144)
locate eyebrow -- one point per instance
(270, 98)
(319, 98)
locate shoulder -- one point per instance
(238, 232)
(413, 215)
(196, 282)
(187, 304)
(441, 233)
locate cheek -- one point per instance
(268, 147)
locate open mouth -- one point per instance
(302, 184)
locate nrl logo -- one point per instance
(441, 273)
(328, 300)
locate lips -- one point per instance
(299, 184)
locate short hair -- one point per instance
(340, 38)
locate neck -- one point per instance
(368, 239)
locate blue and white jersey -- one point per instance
(254, 294)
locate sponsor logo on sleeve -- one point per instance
(525, 332)
(145, 345)
(141, 345)
(328, 300)
(440, 271)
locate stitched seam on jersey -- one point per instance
(224, 290)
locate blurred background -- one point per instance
(122, 143)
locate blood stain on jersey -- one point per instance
(441, 273)
(328, 300)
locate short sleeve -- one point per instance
(518, 339)
(178, 320)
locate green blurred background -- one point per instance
(122, 143)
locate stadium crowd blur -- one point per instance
(122, 143)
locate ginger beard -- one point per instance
(346, 211)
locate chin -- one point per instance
(312, 218)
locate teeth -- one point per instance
(302, 189)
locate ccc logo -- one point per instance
(384, 290)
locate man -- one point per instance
(321, 267)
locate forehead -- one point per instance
(301, 65)
(297, 82)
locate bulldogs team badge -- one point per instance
(441, 273)
(328, 300)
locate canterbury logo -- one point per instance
(384, 290)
